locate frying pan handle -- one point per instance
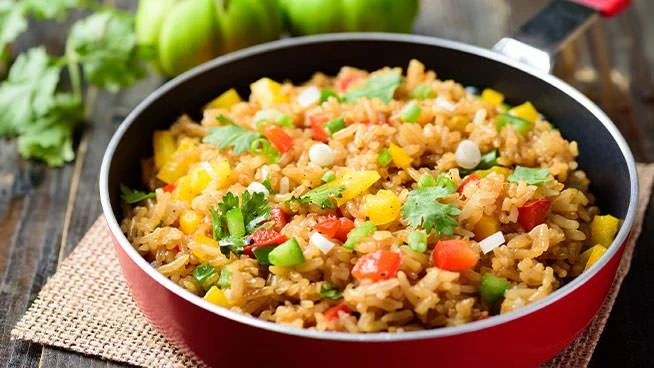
(538, 41)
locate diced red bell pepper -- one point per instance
(344, 83)
(318, 130)
(332, 312)
(376, 266)
(472, 178)
(336, 228)
(278, 138)
(279, 217)
(169, 188)
(454, 255)
(262, 238)
(533, 213)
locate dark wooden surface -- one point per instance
(45, 212)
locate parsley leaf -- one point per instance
(422, 208)
(12, 22)
(105, 45)
(322, 196)
(240, 139)
(381, 86)
(330, 291)
(132, 196)
(529, 175)
(28, 91)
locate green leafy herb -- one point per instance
(520, 125)
(381, 86)
(330, 291)
(384, 158)
(132, 196)
(356, 235)
(53, 9)
(423, 209)
(530, 176)
(232, 221)
(322, 196)
(225, 280)
(206, 275)
(239, 139)
(422, 92)
(417, 241)
(12, 22)
(105, 45)
(266, 183)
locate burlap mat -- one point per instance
(86, 306)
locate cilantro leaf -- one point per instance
(228, 202)
(132, 196)
(12, 22)
(240, 139)
(322, 196)
(255, 209)
(51, 9)
(423, 209)
(530, 176)
(50, 137)
(28, 91)
(105, 45)
(330, 291)
(381, 86)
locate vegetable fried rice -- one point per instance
(366, 202)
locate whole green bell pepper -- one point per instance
(305, 17)
(186, 33)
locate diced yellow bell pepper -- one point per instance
(383, 207)
(492, 96)
(495, 169)
(163, 142)
(200, 177)
(217, 297)
(266, 92)
(226, 100)
(487, 226)
(183, 190)
(457, 122)
(189, 222)
(204, 248)
(603, 229)
(223, 174)
(591, 255)
(178, 165)
(401, 159)
(526, 111)
(355, 183)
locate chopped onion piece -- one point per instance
(445, 104)
(308, 97)
(321, 154)
(467, 154)
(270, 115)
(255, 187)
(492, 242)
(320, 241)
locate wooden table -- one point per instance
(44, 212)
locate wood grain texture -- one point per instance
(44, 212)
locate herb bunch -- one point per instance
(101, 51)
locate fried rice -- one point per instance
(175, 227)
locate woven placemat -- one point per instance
(101, 318)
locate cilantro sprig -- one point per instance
(422, 208)
(322, 196)
(240, 140)
(132, 196)
(100, 48)
(530, 176)
(382, 86)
